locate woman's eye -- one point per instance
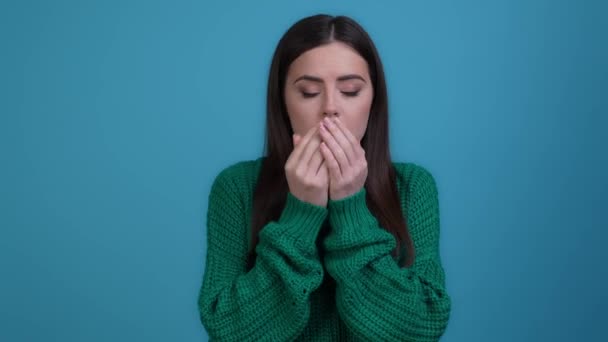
(351, 93)
(346, 93)
(309, 95)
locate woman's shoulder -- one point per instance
(417, 188)
(242, 167)
(420, 203)
(413, 176)
(240, 173)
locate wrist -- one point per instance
(350, 210)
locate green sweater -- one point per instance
(355, 292)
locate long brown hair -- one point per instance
(271, 190)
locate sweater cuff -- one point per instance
(302, 220)
(351, 211)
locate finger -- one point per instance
(296, 139)
(322, 168)
(348, 134)
(335, 148)
(342, 140)
(310, 148)
(331, 162)
(315, 162)
(303, 141)
(295, 155)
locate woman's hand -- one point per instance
(345, 159)
(306, 170)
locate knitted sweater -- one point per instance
(355, 292)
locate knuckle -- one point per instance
(289, 163)
(299, 173)
(308, 184)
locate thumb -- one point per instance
(296, 139)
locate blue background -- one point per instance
(117, 115)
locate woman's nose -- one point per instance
(329, 105)
(330, 113)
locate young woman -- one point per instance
(324, 238)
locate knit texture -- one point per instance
(353, 291)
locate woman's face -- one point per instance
(329, 80)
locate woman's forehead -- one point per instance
(329, 62)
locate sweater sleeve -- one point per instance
(377, 300)
(270, 302)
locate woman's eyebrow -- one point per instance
(351, 77)
(319, 80)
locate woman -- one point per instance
(324, 238)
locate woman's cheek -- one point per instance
(302, 123)
(357, 115)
